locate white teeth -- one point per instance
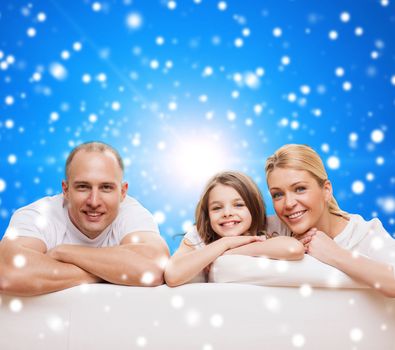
(296, 215)
(230, 223)
(93, 214)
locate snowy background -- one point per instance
(186, 88)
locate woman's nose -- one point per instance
(290, 201)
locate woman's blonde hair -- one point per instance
(248, 191)
(303, 157)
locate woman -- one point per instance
(303, 200)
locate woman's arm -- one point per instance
(188, 261)
(376, 274)
(284, 248)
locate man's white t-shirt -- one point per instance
(368, 238)
(48, 220)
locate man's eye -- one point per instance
(107, 188)
(82, 187)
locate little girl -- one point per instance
(230, 219)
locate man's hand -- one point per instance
(53, 253)
(138, 261)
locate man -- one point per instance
(92, 232)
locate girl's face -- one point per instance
(298, 199)
(229, 215)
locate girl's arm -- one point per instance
(376, 274)
(188, 261)
(282, 247)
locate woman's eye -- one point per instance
(300, 189)
(276, 195)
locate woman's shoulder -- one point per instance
(194, 238)
(358, 222)
(360, 232)
(275, 227)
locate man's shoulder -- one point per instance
(40, 219)
(45, 204)
(133, 217)
(130, 203)
(129, 200)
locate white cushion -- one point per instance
(229, 316)
(268, 272)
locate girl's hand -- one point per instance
(237, 241)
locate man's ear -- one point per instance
(328, 190)
(124, 189)
(65, 188)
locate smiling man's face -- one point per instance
(94, 191)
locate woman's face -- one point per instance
(229, 215)
(298, 199)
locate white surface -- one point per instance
(268, 272)
(197, 316)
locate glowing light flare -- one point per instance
(147, 278)
(16, 305)
(216, 320)
(177, 301)
(55, 323)
(193, 160)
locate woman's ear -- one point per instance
(328, 193)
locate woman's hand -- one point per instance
(306, 237)
(320, 246)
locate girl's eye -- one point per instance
(215, 208)
(239, 205)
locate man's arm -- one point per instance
(26, 270)
(139, 260)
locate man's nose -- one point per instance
(94, 198)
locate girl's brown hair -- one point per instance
(303, 157)
(248, 191)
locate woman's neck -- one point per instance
(332, 225)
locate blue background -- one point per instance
(186, 88)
